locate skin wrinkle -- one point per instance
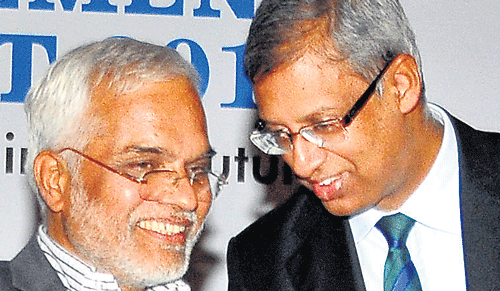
(382, 157)
(86, 212)
(138, 123)
(103, 114)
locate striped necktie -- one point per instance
(399, 272)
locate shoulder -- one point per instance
(474, 141)
(291, 238)
(479, 155)
(479, 161)
(6, 276)
(294, 210)
(29, 270)
(255, 256)
(291, 223)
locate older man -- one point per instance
(399, 195)
(121, 161)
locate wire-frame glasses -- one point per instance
(199, 175)
(324, 134)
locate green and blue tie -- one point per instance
(399, 272)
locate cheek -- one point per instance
(378, 155)
(202, 210)
(129, 194)
(368, 154)
(201, 214)
(287, 158)
(112, 191)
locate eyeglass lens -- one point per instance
(203, 183)
(203, 180)
(324, 134)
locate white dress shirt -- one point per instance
(435, 242)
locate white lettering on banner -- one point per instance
(208, 33)
(22, 51)
(242, 9)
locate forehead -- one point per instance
(310, 86)
(167, 115)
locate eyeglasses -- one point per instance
(324, 134)
(198, 173)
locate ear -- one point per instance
(407, 81)
(52, 178)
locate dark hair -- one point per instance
(366, 34)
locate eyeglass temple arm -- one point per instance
(125, 175)
(364, 98)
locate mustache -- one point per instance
(172, 214)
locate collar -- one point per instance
(436, 201)
(78, 275)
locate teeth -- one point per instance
(327, 182)
(336, 180)
(160, 227)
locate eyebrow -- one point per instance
(321, 114)
(152, 150)
(171, 156)
(145, 149)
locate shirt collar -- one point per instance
(78, 275)
(436, 201)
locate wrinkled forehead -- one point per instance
(165, 114)
(172, 91)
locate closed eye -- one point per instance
(140, 167)
(328, 126)
(199, 169)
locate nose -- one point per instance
(305, 157)
(181, 194)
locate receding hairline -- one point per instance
(314, 37)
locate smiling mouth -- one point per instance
(162, 227)
(330, 188)
(336, 181)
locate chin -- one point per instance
(142, 275)
(339, 207)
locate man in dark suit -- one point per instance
(120, 158)
(398, 194)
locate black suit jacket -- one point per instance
(300, 246)
(29, 271)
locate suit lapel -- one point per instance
(479, 162)
(32, 272)
(319, 251)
